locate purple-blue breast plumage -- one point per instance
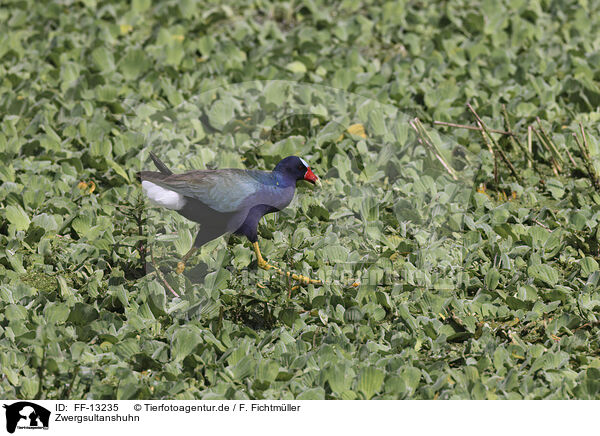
(227, 200)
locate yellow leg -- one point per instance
(267, 266)
(184, 259)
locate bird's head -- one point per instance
(296, 168)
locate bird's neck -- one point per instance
(283, 180)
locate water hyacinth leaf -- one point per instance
(288, 316)
(323, 316)
(337, 378)
(243, 368)
(376, 122)
(15, 312)
(183, 242)
(275, 92)
(267, 370)
(411, 377)
(527, 293)
(492, 278)
(296, 67)
(578, 220)
(589, 388)
(17, 217)
(103, 59)
(217, 280)
(335, 253)
(141, 5)
(370, 381)
(134, 63)
(82, 314)
(379, 314)
(588, 266)
(353, 314)
(69, 73)
(221, 113)
(349, 395)
(126, 348)
(206, 308)
(317, 393)
(118, 169)
(543, 272)
(185, 340)
(407, 318)
(29, 387)
(47, 222)
(127, 390)
(56, 313)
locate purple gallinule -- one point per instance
(228, 200)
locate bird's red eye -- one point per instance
(301, 167)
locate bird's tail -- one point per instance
(164, 170)
(160, 165)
